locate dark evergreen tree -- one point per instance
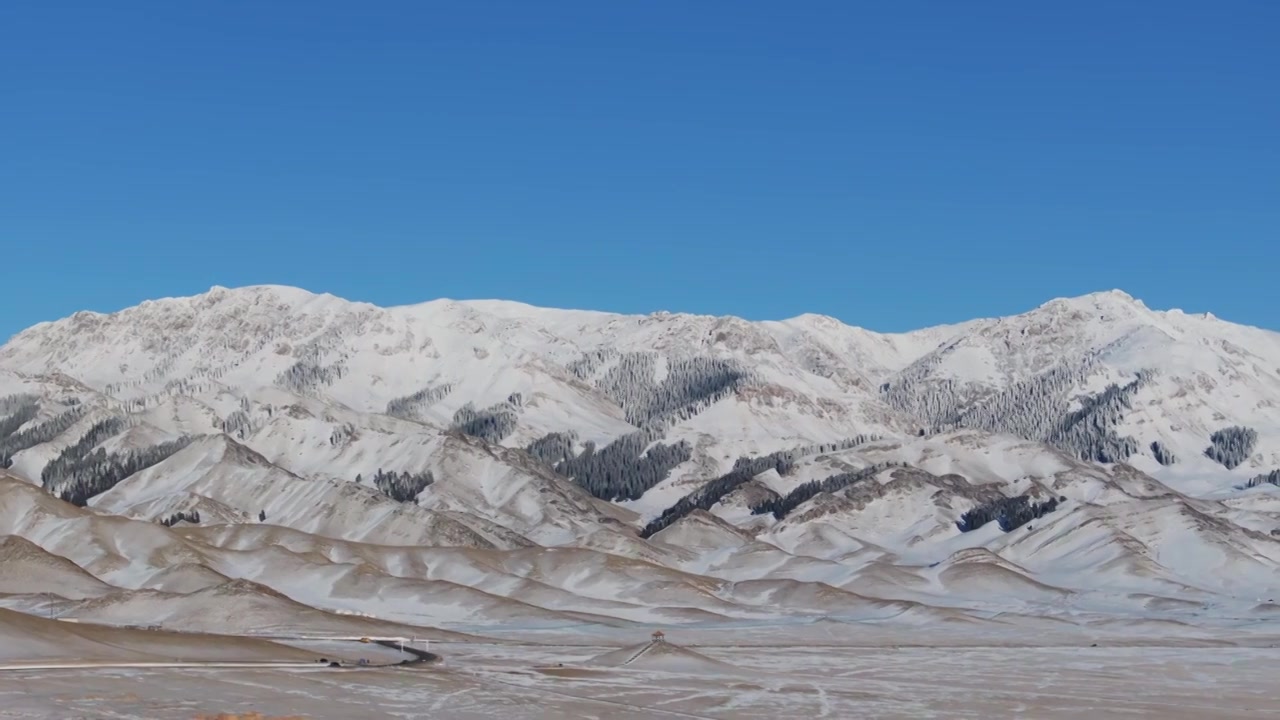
(401, 486)
(744, 469)
(15, 413)
(97, 472)
(1018, 516)
(554, 448)
(590, 363)
(783, 506)
(191, 516)
(624, 469)
(10, 404)
(304, 376)
(1036, 409)
(1272, 478)
(492, 424)
(342, 434)
(410, 406)
(37, 434)
(65, 464)
(690, 384)
(705, 497)
(1163, 455)
(1231, 446)
(1090, 431)
(238, 424)
(1010, 513)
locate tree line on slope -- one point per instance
(492, 424)
(64, 465)
(705, 497)
(585, 367)
(192, 517)
(409, 406)
(744, 469)
(16, 411)
(621, 470)
(1231, 446)
(305, 376)
(37, 435)
(782, 506)
(554, 448)
(1010, 513)
(12, 403)
(930, 400)
(1037, 408)
(1272, 478)
(99, 471)
(1090, 432)
(174, 347)
(691, 385)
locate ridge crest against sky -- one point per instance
(895, 167)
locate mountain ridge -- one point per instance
(555, 465)
(492, 303)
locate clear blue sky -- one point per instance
(894, 164)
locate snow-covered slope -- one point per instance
(475, 462)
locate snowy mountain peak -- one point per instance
(485, 460)
(1115, 302)
(516, 373)
(1115, 294)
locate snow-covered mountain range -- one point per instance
(470, 463)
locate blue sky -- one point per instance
(893, 164)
